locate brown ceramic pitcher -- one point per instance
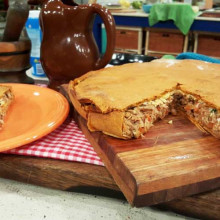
(68, 48)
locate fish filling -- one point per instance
(139, 119)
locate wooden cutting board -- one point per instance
(172, 161)
(87, 178)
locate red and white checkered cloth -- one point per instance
(67, 142)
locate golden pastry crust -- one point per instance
(98, 93)
(74, 100)
(101, 122)
(6, 98)
(109, 88)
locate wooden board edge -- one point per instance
(201, 206)
(167, 195)
(64, 175)
(133, 199)
(94, 142)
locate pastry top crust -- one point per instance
(120, 87)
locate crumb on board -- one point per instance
(170, 122)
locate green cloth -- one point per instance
(167, 56)
(182, 15)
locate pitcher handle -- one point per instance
(109, 23)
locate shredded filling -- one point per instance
(5, 100)
(206, 116)
(139, 119)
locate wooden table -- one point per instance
(92, 179)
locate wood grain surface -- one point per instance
(179, 131)
(63, 175)
(172, 161)
(15, 46)
(86, 178)
(15, 56)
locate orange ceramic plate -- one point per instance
(35, 112)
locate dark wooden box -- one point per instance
(129, 39)
(207, 44)
(165, 41)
